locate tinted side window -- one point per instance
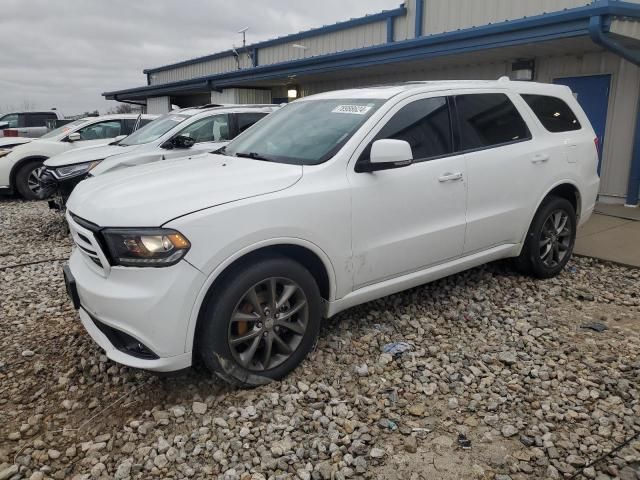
(129, 123)
(245, 120)
(425, 124)
(489, 119)
(39, 119)
(554, 114)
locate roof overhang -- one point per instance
(568, 24)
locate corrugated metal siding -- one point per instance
(241, 96)
(219, 65)
(158, 105)
(626, 27)
(623, 101)
(449, 15)
(487, 71)
(356, 37)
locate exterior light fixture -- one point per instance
(292, 92)
(523, 70)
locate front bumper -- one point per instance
(151, 305)
(58, 189)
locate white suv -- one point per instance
(178, 134)
(332, 201)
(21, 165)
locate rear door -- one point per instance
(505, 168)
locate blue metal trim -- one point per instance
(254, 57)
(597, 27)
(565, 24)
(633, 188)
(390, 29)
(354, 22)
(419, 17)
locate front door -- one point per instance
(592, 92)
(407, 219)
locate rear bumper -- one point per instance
(589, 198)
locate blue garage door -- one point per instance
(592, 93)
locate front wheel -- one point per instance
(28, 179)
(550, 240)
(262, 323)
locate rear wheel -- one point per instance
(28, 179)
(550, 240)
(261, 324)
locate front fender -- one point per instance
(215, 274)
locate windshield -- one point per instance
(63, 129)
(154, 130)
(305, 132)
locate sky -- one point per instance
(65, 53)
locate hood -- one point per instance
(151, 195)
(8, 142)
(86, 154)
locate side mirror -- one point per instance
(74, 137)
(180, 141)
(387, 154)
(4, 125)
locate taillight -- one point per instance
(596, 140)
(10, 133)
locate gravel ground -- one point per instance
(500, 381)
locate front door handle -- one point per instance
(450, 177)
(540, 158)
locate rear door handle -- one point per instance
(540, 158)
(450, 177)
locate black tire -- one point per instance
(216, 329)
(534, 259)
(22, 179)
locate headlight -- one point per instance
(4, 151)
(142, 247)
(75, 170)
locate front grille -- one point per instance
(84, 233)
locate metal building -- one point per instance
(593, 47)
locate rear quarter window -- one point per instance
(554, 114)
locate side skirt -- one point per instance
(411, 280)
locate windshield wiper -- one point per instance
(221, 151)
(253, 156)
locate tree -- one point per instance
(122, 108)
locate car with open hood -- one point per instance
(21, 167)
(178, 134)
(332, 201)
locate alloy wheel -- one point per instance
(555, 238)
(268, 324)
(33, 180)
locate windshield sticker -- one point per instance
(352, 109)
